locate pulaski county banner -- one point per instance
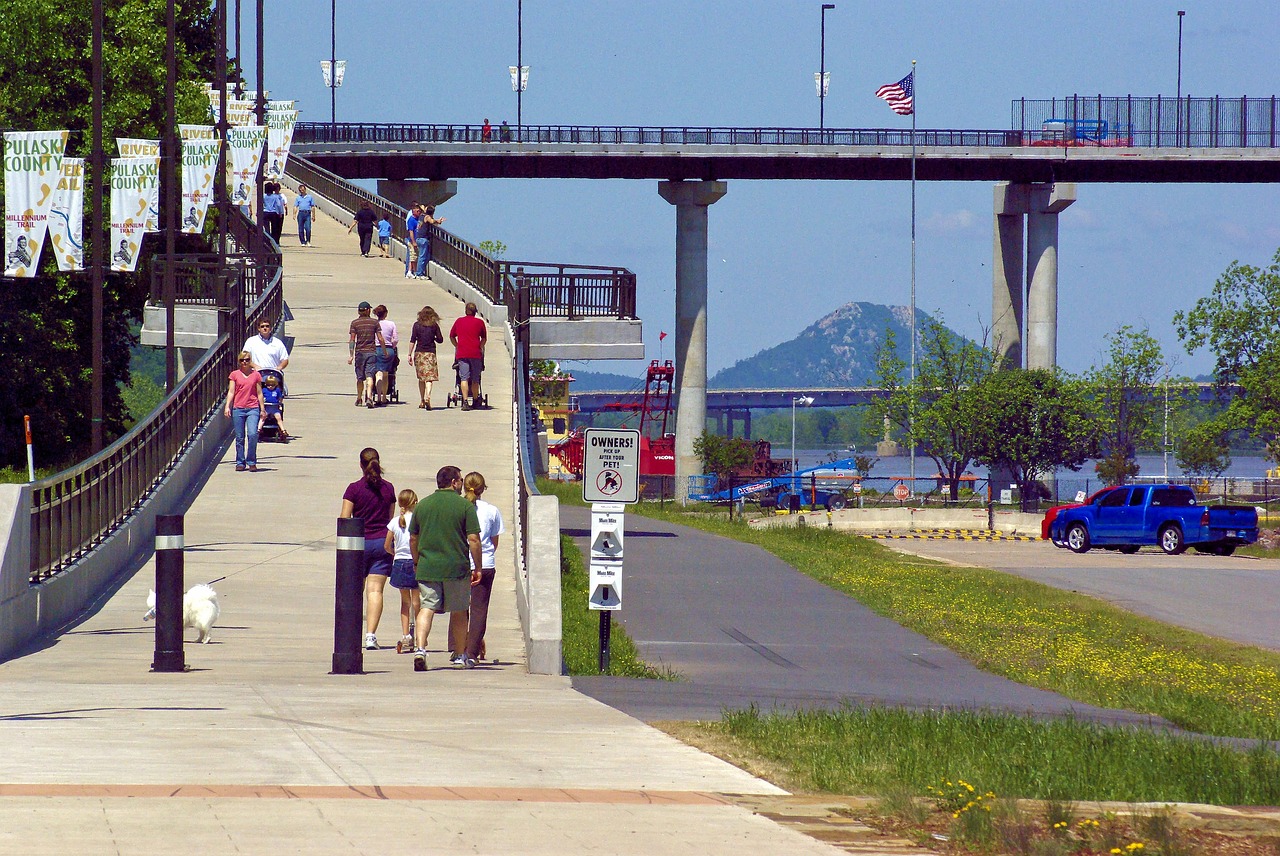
(32, 166)
(66, 217)
(246, 143)
(281, 117)
(134, 148)
(133, 183)
(199, 166)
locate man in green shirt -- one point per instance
(444, 537)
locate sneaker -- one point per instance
(405, 645)
(466, 405)
(469, 662)
(253, 468)
(240, 468)
(420, 660)
(359, 402)
(370, 642)
(458, 661)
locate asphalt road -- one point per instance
(1233, 597)
(742, 627)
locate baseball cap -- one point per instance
(364, 304)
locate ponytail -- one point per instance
(371, 466)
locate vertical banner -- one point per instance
(246, 144)
(134, 181)
(199, 166)
(240, 112)
(66, 217)
(281, 117)
(134, 148)
(215, 104)
(32, 167)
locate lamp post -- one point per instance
(822, 68)
(519, 71)
(803, 401)
(333, 68)
(1181, 13)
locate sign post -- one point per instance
(610, 480)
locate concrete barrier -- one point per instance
(905, 519)
(538, 589)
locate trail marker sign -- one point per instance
(611, 465)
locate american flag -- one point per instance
(900, 96)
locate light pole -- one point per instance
(333, 68)
(1181, 14)
(822, 68)
(519, 71)
(803, 401)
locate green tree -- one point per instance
(1031, 421)
(45, 334)
(1239, 322)
(939, 409)
(1203, 451)
(1127, 411)
(722, 456)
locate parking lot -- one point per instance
(1235, 597)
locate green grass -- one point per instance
(581, 626)
(14, 475)
(881, 751)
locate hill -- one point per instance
(838, 350)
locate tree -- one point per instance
(1126, 410)
(1031, 421)
(45, 333)
(1240, 323)
(938, 409)
(722, 456)
(1203, 451)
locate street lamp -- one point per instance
(1181, 14)
(822, 79)
(803, 401)
(519, 71)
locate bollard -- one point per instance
(169, 591)
(348, 594)
(606, 624)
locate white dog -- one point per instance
(199, 609)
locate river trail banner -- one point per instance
(199, 166)
(246, 144)
(240, 112)
(32, 166)
(281, 117)
(197, 132)
(134, 148)
(66, 216)
(215, 103)
(134, 182)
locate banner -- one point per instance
(199, 166)
(197, 132)
(245, 144)
(134, 148)
(66, 216)
(240, 112)
(215, 104)
(281, 117)
(32, 167)
(134, 183)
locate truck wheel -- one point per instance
(1128, 549)
(1224, 549)
(1171, 540)
(1078, 538)
(835, 502)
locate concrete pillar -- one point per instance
(691, 199)
(1042, 274)
(405, 192)
(1006, 272)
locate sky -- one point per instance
(784, 253)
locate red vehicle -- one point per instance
(1052, 513)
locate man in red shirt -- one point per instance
(468, 336)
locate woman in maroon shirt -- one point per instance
(372, 499)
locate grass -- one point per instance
(581, 626)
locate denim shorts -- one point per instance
(403, 574)
(366, 365)
(376, 558)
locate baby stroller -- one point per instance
(269, 429)
(455, 397)
(393, 393)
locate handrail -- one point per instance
(73, 511)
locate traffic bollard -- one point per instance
(169, 592)
(606, 625)
(348, 593)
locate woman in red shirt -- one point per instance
(245, 407)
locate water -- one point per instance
(1151, 466)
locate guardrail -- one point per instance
(1152, 121)
(75, 510)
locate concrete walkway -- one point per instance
(258, 749)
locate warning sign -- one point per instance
(611, 465)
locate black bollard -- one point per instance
(169, 591)
(348, 594)
(606, 624)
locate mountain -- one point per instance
(838, 350)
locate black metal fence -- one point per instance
(1149, 121)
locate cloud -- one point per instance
(959, 222)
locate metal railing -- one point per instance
(1152, 121)
(75, 510)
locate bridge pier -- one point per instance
(691, 199)
(405, 192)
(1039, 205)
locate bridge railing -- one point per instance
(1151, 121)
(75, 510)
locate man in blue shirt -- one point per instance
(303, 203)
(410, 241)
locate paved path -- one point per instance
(258, 750)
(1233, 597)
(743, 627)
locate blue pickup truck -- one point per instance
(1130, 516)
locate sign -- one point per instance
(611, 465)
(901, 491)
(857, 487)
(1080, 497)
(605, 570)
(1006, 496)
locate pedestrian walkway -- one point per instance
(257, 749)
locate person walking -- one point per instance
(372, 499)
(384, 237)
(245, 408)
(468, 336)
(386, 356)
(274, 208)
(411, 240)
(422, 353)
(426, 220)
(486, 132)
(363, 223)
(366, 337)
(303, 203)
(490, 520)
(403, 576)
(444, 537)
(265, 350)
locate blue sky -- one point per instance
(785, 253)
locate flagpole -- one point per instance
(911, 432)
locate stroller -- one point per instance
(455, 397)
(269, 431)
